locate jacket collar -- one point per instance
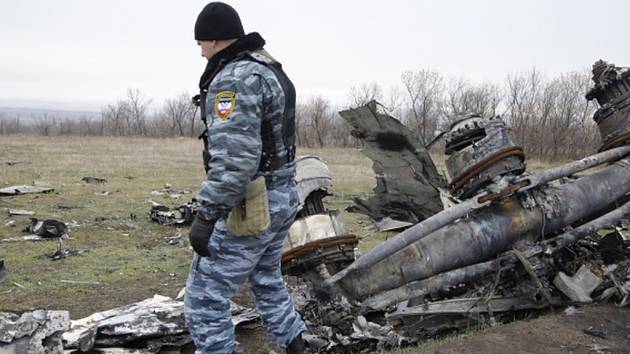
(250, 42)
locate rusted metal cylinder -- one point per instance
(612, 93)
(478, 151)
(493, 230)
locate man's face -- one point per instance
(208, 48)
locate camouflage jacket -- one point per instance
(240, 97)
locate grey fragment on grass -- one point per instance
(20, 212)
(94, 180)
(24, 189)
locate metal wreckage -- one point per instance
(516, 242)
(511, 244)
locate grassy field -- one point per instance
(127, 257)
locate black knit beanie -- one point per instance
(218, 21)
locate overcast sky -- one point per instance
(82, 54)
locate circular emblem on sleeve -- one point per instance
(224, 103)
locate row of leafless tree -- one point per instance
(549, 117)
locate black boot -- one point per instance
(296, 346)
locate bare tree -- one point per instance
(463, 98)
(180, 115)
(136, 114)
(424, 90)
(364, 93)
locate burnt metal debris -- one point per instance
(148, 326)
(33, 332)
(47, 228)
(407, 181)
(520, 242)
(612, 93)
(3, 271)
(515, 244)
(177, 216)
(480, 150)
(313, 180)
(318, 237)
(94, 180)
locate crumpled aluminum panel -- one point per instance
(311, 174)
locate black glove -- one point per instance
(199, 235)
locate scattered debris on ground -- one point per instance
(24, 189)
(148, 326)
(68, 206)
(33, 332)
(24, 238)
(174, 240)
(171, 192)
(8, 162)
(47, 228)
(177, 216)
(19, 212)
(63, 252)
(94, 180)
(407, 181)
(3, 271)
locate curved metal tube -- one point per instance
(573, 167)
(407, 237)
(469, 273)
(494, 230)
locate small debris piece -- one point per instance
(601, 333)
(94, 180)
(24, 238)
(181, 294)
(62, 252)
(48, 228)
(579, 287)
(181, 215)
(34, 332)
(8, 162)
(3, 271)
(612, 247)
(79, 282)
(389, 224)
(68, 206)
(571, 310)
(24, 189)
(10, 223)
(598, 348)
(175, 240)
(20, 212)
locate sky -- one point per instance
(83, 54)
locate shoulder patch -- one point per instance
(224, 104)
(262, 56)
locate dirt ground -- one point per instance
(608, 325)
(557, 333)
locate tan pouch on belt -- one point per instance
(251, 216)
